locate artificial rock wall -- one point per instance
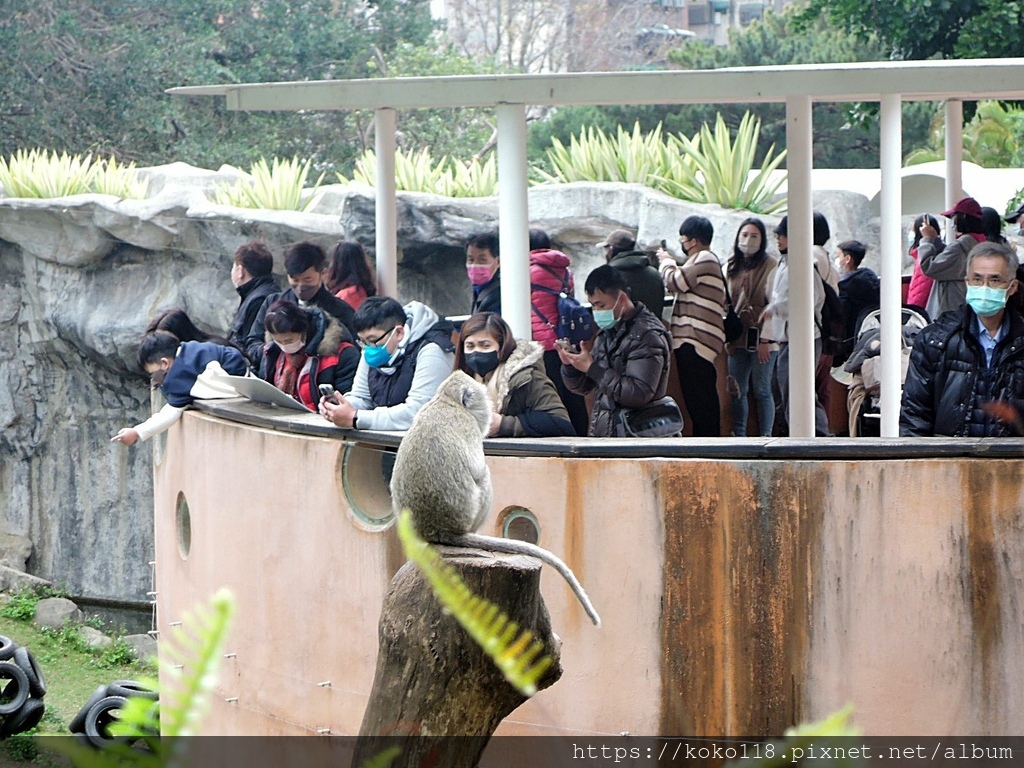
(81, 276)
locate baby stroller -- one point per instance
(862, 370)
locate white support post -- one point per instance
(892, 261)
(802, 362)
(954, 156)
(514, 219)
(386, 207)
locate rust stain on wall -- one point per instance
(993, 492)
(739, 543)
(575, 481)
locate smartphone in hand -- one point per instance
(328, 391)
(565, 345)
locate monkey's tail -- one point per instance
(514, 547)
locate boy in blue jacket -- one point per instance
(185, 371)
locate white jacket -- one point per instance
(776, 314)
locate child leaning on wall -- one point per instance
(185, 371)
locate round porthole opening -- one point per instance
(521, 524)
(183, 526)
(366, 480)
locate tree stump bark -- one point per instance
(433, 682)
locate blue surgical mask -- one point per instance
(605, 318)
(375, 357)
(986, 301)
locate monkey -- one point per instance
(442, 478)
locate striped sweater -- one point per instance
(699, 290)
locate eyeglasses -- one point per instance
(977, 281)
(380, 340)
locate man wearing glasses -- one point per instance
(406, 353)
(966, 375)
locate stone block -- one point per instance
(55, 612)
(14, 580)
(93, 637)
(145, 646)
(15, 551)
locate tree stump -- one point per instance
(432, 679)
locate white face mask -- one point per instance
(291, 349)
(910, 237)
(749, 244)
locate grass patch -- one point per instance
(72, 669)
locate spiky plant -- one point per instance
(44, 174)
(724, 166)
(418, 171)
(119, 180)
(279, 186)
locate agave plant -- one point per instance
(473, 179)
(417, 171)
(279, 186)
(119, 180)
(41, 173)
(724, 168)
(633, 157)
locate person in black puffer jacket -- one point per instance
(626, 365)
(966, 375)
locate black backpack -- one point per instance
(574, 321)
(832, 326)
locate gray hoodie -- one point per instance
(433, 366)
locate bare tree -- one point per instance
(559, 35)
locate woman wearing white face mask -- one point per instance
(306, 348)
(751, 358)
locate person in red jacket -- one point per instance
(307, 348)
(349, 276)
(550, 268)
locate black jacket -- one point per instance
(858, 291)
(630, 370)
(323, 300)
(252, 294)
(643, 280)
(947, 382)
(488, 298)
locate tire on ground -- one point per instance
(24, 719)
(128, 688)
(77, 724)
(99, 718)
(7, 648)
(14, 692)
(36, 682)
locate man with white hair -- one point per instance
(966, 375)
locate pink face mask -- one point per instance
(478, 275)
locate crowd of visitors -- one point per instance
(365, 361)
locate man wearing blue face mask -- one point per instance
(966, 375)
(626, 364)
(406, 353)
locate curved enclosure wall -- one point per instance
(741, 591)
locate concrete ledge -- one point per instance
(842, 448)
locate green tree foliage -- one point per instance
(90, 75)
(842, 138)
(921, 29)
(993, 138)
